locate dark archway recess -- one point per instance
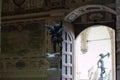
(79, 26)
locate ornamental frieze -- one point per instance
(12, 7)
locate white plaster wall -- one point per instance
(88, 61)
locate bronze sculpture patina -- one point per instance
(101, 65)
(56, 35)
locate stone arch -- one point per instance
(81, 11)
(86, 9)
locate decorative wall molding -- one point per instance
(23, 63)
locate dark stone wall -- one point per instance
(22, 38)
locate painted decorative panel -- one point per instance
(23, 38)
(11, 7)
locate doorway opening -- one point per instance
(89, 45)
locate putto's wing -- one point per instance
(60, 30)
(50, 28)
(56, 25)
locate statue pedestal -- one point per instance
(102, 78)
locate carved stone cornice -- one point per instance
(14, 7)
(32, 16)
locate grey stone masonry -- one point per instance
(118, 37)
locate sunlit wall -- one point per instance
(98, 41)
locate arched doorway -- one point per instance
(89, 16)
(90, 43)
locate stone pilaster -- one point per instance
(118, 37)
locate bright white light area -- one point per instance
(98, 42)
